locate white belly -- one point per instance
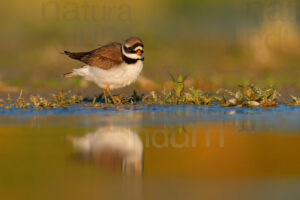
(116, 77)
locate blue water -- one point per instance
(215, 110)
(280, 117)
(237, 153)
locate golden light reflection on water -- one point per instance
(207, 150)
(221, 150)
(215, 155)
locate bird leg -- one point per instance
(108, 90)
(104, 93)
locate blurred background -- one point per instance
(217, 44)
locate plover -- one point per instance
(111, 66)
(113, 147)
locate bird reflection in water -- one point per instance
(116, 148)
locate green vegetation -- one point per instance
(295, 102)
(39, 103)
(251, 96)
(245, 96)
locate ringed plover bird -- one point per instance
(111, 66)
(113, 147)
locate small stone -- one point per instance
(253, 103)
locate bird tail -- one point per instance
(76, 55)
(69, 75)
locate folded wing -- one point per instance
(105, 57)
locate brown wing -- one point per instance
(105, 57)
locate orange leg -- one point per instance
(104, 93)
(108, 90)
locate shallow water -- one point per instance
(155, 152)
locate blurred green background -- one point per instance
(219, 44)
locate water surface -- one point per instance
(159, 152)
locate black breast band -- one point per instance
(130, 60)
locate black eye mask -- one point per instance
(131, 49)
